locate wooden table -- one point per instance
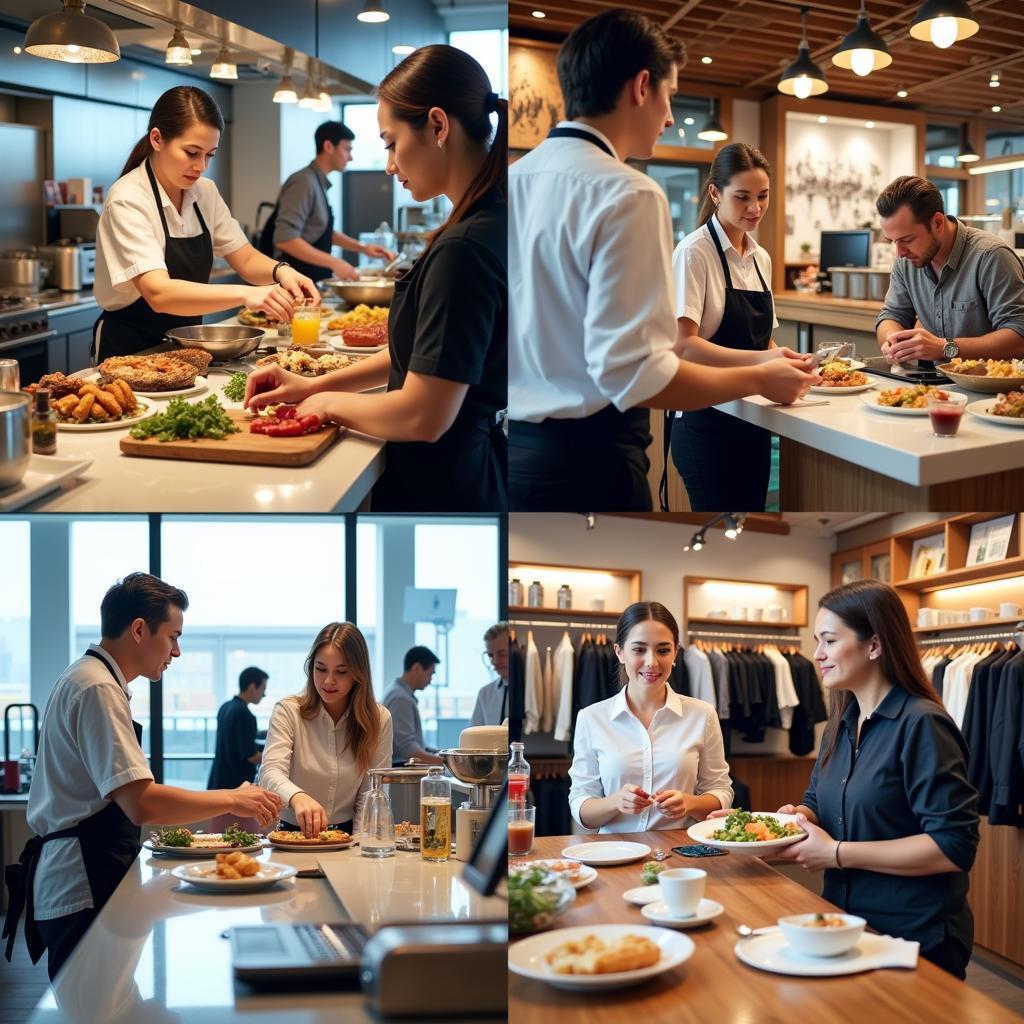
(713, 985)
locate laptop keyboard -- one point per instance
(328, 943)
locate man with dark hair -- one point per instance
(955, 291)
(592, 328)
(93, 788)
(400, 699)
(235, 754)
(302, 224)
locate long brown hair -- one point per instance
(729, 161)
(364, 718)
(873, 609)
(449, 78)
(174, 113)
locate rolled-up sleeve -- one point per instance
(944, 802)
(899, 305)
(712, 767)
(294, 208)
(1001, 276)
(275, 769)
(403, 722)
(102, 725)
(585, 774)
(130, 245)
(691, 279)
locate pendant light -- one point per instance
(863, 50)
(178, 52)
(285, 91)
(803, 77)
(968, 154)
(224, 67)
(713, 130)
(373, 13)
(307, 101)
(72, 36)
(322, 102)
(944, 22)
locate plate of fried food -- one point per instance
(1007, 410)
(233, 872)
(182, 842)
(96, 406)
(361, 316)
(838, 376)
(305, 365)
(328, 839)
(160, 374)
(907, 400)
(989, 376)
(598, 957)
(257, 318)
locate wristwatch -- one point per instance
(951, 349)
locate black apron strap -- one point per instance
(156, 196)
(721, 255)
(666, 448)
(579, 133)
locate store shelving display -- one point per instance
(601, 594)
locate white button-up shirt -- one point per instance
(313, 756)
(682, 749)
(130, 237)
(87, 749)
(590, 290)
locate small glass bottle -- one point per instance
(44, 424)
(564, 596)
(518, 774)
(515, 593)
(536, 595)
(377, 837)
(435, 815)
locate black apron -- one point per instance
(323, 243)
(109, 843)
(724, 461)
(138, 327)
(595, 464)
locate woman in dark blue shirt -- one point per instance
(889, 812)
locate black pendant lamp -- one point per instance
(863, 50)
(968, 154)
(72, 36)
(944, 22)
(803, 77)
(713, 130)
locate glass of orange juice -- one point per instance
(306, 326)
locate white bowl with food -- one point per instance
(753, 833)
(824, 934)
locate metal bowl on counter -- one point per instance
(477, 767)
(371, 291)
(223, 341)
(15, 437)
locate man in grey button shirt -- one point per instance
(492, 700)
(304, 223)
(955, 290)
(400, 699)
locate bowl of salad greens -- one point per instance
(750, 832)
(536, 896)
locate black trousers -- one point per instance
(61, 935)
(952, 956)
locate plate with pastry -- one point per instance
(598, 957)
(199, 385)
(158, 373)
(233, 872)
(328, 839)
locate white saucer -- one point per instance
(657, 913)
(605, 854)
(981, 410)
(642, 895)
(203, 876)
(822, 390)
(771, 952)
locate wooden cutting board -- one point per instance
(244, 447)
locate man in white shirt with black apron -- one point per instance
(93, 789)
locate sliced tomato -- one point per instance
(291, 428)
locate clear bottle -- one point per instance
(564, 596)
(536, 595)
(435, 815)
(25, 769)
(518, 774)
(377, 823)
(44, 424)
(516, 597)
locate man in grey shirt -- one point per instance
(303, 220)
(955, 290)
(492, 700)
(400, 699)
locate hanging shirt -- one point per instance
(564, 661)
(720, 673)
(785, 692)
(681, 750)
(547, 721)
(1006, 742)
(130, 236)
(698, 668)
(534, 686)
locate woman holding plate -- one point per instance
(321, 743)
(647, 758)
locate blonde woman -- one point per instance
(322, 742)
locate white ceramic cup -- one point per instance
(924, 617)
(773, 613)
(682, 890)
(1009, 610)
(962, 616)
(756, 614)
(945, 616)
(597, 604)
(982, 614)
(738, 612)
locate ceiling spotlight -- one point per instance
(869, 124)
(698, 542)
(373, 13)
(72, 36)
(224, 67)
(944, 22)
(803, 77)
(732, 527)
(688, 120)
(822, 119)
(705, 60)
(996, 109)
(178, 51)
(902, 93)
(968, 154)
(538, 14)
(863, 50)
(402, 49)
(993, 82)
(308, 99)
(713, 130)
(591, 520)
(285, 92)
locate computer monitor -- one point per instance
(845, 249)
(489, 860)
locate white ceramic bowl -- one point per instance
(982, 614)
(821, 941)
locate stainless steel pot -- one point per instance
(21, 269)
(222, 341)
(71, 267)
(15, 436)
(372, 292)
(403, 788)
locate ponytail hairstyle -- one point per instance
(449, 78)
(174, 113)
(729, 161)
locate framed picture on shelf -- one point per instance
(990, 541)
(928, 556)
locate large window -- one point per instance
(691, 114)
(1004, 189)
(682, 185)
(15, 686)
(951, 190)
(942, 143)
(490, 48)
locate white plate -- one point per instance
(771, 952)
(642, 895)
(586, 876)
(203, 875)
(337, 343)
(311, 847)
(198, 852)
(526, 957)
(45, 473)
(658, 913)
(871, 401)
(200, 384)
(701, 833)
(981, 410)
(144, 410)
(604, 854)
(843, 391)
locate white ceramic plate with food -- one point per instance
(982, 408)
(201, 384)
(337, 343)
(855, 389)
(203, 875)
(527, 956)
(981, 383)
(606, 854)
(45, 473)
(196, 852)
(309, 845)
(659, 914)
(701, 833)
(144, 410)
(771, 952)
(576, 873)
(871, 401)
(642, 895)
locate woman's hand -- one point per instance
(269, 385)
(632, 800)
(252, 802)
(673, 803)
(298, 286)
(379, 252)
(317, 405)
(804, 361)
(722, 812)
(815, 853)
(272, 299)
(311, 816)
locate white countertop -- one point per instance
(901, 447)
(156, 953)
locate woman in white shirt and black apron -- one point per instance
(723, 295)
(161, 227)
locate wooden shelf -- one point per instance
(990, 624)
(718, 621)
(983, 573)
(798, 611)
(525, 611)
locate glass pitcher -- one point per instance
(377, 823)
